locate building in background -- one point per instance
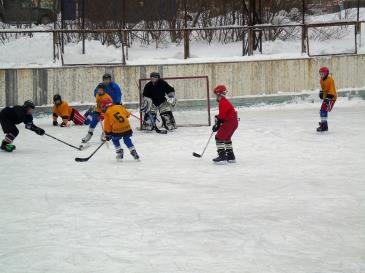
(27, 11)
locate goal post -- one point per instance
(193, 99)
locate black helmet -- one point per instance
(29, 104)
(57, 97)
(101, 85)
(155, 75)
(107, 76)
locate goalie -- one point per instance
(158, 96)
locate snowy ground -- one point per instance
(294, 202)
(37, 51)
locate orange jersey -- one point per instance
(63, 110)
(328, 87)
(116, 120)
(99, 99)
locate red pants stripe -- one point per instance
(327, 108)
(78, 119)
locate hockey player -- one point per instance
(116, 127)
(95, 116)
(226, 123)
(328, 94)
(158, 95)
(111, 88)
(11, 116)
(67, 113)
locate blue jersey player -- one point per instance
(111, 88)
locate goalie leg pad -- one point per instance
(168, 120)
(149, 119)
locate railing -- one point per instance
(247, 32)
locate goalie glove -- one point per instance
(171, 99)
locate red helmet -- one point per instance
(220, 90)
(324, 70)
(105, 103)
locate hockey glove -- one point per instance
(108, 137)
(55, 123)
(321, 95)
(63, 124)
(37, 130)
(327, 101)
(40, 131)
(217, 124)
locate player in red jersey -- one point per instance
(226, 123)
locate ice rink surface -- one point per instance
(293, 203)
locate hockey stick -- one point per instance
(133, 115)
(80, 159)
(206, 146)
(68, 144)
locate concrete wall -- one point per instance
(76, 84)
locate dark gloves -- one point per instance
(63, 124)
(217, 124)
(55, 123)
(37, 130)
(321, 95)
(108, 137)
(327, 101)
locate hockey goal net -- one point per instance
(193, 101)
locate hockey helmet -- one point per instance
(107, 76)
(29, 104)
(57, 99)
(324, 71)
(220, 90)
(155, 75)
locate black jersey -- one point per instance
(157, 91)
(16, 115)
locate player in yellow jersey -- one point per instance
(62, 109)
(95, 116)
(117, 127)
(329, 96)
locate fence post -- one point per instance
(304, 29)
(124, 35)
(186, 44)
(186, 32)
(54, 46)
(304, 39)
(83, 26)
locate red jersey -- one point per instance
(226, 111)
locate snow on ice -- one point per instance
(294, 201)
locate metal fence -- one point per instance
(121, 23)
